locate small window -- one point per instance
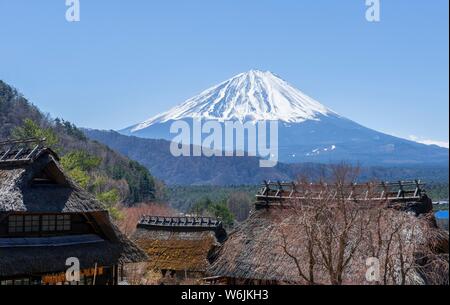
(15, 224)
(39, 223)
(52, 223)
(31, 223)
(63, 223)
(49, 223)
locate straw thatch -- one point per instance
(254, 252)
(176, 250)
(19, 194)
(16, 261)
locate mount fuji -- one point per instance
(308, 131)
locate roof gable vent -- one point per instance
(50, 175)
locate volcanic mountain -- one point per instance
(308, 131)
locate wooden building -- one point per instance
(45, 219)
(267, 248)
(179, 247)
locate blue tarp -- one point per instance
(442, 214)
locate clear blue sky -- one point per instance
(128, 60)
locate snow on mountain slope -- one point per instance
(251, 96)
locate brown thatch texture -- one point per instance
(18, 194)
(176, 250)
(129, 251)
(253, 250)
(258, 249)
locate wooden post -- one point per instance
(95, 275)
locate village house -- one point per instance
(46, 219)
(292, 237)
(180, 247)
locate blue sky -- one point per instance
(128, 60)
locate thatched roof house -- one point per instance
(298, 236)
(179, 246)
(45, 218)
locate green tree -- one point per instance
(218, 210)
(110, 200)
(141, 183)
(80, 177)
(221, 211)
(201, 206)
(78, 165)
(80, 159)
(70, 129)
(110, 197)
(31, 129)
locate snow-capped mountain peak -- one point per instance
(251, 96)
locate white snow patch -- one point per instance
(317, 151)
(251, 96)
(425, 141)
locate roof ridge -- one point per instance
(180, 221)
(21, 150)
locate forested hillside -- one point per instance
(111, 177)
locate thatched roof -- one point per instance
(28, 260)
(254, 250)
(184, 224)
(129, 251)
(19, 194)
(400, 192)
(178, 243)
(25, 187)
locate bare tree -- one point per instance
(240, 205)
(406, 247)
(329, 236)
